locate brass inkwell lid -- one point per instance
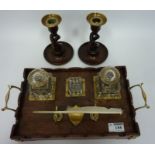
(38, 78)
(109, 75)
(51, 20)
(96, 19)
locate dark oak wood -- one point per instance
(95, 56)
(93, 52)
(64, 55)
(58, 52)
(29, 126)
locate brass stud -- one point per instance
(94, 117)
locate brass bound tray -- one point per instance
(30, 126)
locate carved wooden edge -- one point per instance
(27, 70)
(17, 114)
(132, 109)
(133, 112)
(13, 135)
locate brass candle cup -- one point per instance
(58, 52)
(96, 19)
(51, 20)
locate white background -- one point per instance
(76, 5)
(128, 35)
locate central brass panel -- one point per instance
(75, 87)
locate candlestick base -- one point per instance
(94, 57)
(58, 59)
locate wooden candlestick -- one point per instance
(93, 52)
(58, 52)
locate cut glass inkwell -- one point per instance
(41, 85)
(107, 84)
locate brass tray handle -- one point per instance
(7, 96)
(143, 95)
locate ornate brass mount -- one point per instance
(92, 52)
(42, 85)
(77, 113)
(75, 87)
(57, 117)
(107, 84)
(58, 52)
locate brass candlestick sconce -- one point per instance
(58, 52)
(92, 52)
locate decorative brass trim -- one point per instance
(75, 93)
(57, 117)
(99, 96)
(47, 97)
(94, 117)
(42, 85)
(75, 117)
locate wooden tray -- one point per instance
(31, 126)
